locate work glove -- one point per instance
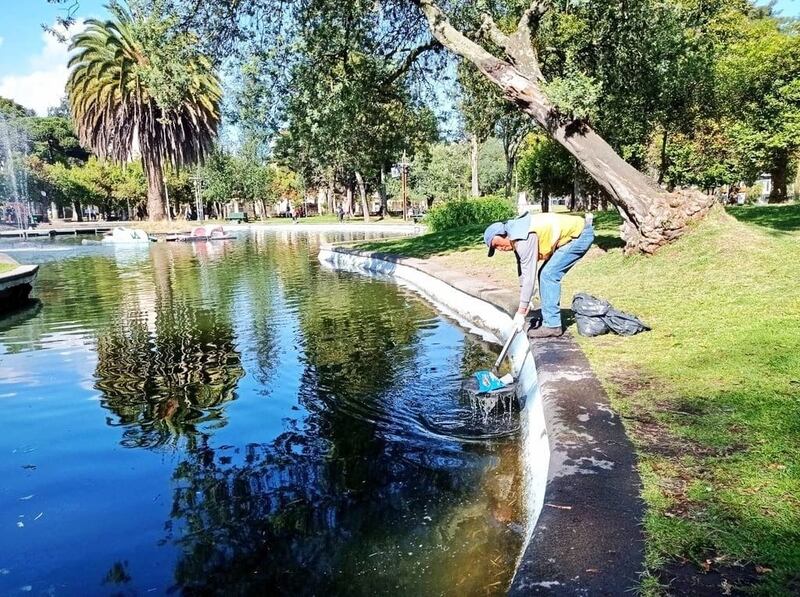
(519, 322)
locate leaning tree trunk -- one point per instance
(155, 186)
(362, 192)
(651, 216)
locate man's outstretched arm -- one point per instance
(528, 254)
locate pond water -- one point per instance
(233, 418)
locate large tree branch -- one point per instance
(490, 28)
(520, 47)
(512, 81)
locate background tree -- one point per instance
(10, 109)
(486, 112)
(139, 79)
(759, 74)
(546, 169)
(53, 140)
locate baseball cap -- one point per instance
(492, 230)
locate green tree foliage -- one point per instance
(759, 76)
(139, 77)
(442, 174)
(487, 113)
(53, 140)
(545, 168)
(491, 166)
(247, 177)
(10, 109)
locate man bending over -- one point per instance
(555, 240)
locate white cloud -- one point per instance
(42, 86)
(1, 40)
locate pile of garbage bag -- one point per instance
(596, 317)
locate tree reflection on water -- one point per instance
(353, 493)
(159, 386)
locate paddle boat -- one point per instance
(121, 235)
(202, 233)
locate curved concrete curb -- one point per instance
(16, 284)
(343, 227)
(585, 536)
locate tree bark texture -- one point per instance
(384, 196)
(545, 199)
(348, 208)
(473, 163)
(779, 174)
(510, 163)
(77, 211)
(332, 193)
(651, 216)
(362, 192)
(155, 187)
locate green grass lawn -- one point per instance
(711, 397)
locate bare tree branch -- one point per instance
(409, 61)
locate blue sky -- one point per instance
(33, 64)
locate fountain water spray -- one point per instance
(11, 141)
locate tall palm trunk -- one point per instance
(156, 200)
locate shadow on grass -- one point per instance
(427, 245)
(781, 218)
(608, 241)
(606, 225)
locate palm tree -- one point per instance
(129, 88)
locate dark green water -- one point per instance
(235, 419)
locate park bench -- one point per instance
(237, 216)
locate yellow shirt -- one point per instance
(555, 230)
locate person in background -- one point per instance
(557, 242)
(340, 212)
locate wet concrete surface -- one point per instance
(588, 539)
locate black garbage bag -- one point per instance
(624, 324)
(591, 326)
(595, 317)
(589, 306)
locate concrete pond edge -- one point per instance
(582, 488)
(15, 284)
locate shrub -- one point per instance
(469, 212)
(754, 193)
